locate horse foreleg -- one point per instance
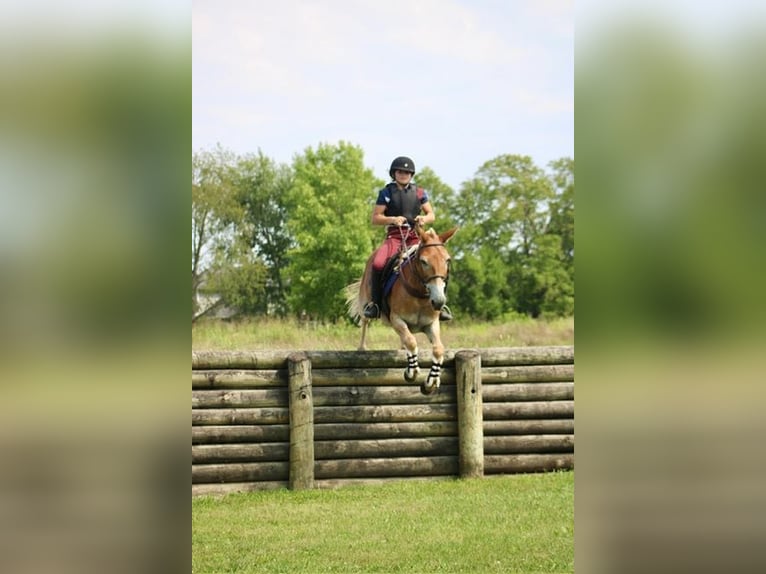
(433, 380)
(410, 344)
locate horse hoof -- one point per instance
(427, 390)
(408, 378)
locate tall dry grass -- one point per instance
(274, 334)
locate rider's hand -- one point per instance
(401, 220)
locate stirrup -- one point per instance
(371, 311)
(445, 314)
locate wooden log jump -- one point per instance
(322, 419)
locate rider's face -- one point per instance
(402, 177)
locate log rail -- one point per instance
(323, 419)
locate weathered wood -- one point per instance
(529, 426)
(346, 431)
(301, 422)
(378, 395)
(387, 467)
(221, 489)
(527, 374)
(237, 379)
(490, 357)
(367, 424)
(240, 434)
(521, 444)
(251, 452)
(271, 378)
(513, 463)
(267, 416)
(367, 376)
(391, 447)
(385, 413)
(529, 410)
(239, 398)
(508, 356)
(528, 392)
(240, 472)
(239, 359)
(469, 413)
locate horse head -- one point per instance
(432, 263)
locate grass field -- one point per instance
(511, 524)
(290, 334)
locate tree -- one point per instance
(481, 287)
(262, 189)
(214, 207)
(562, 208)
(505, 204)
(329, 202)
(517, 221)
(545, 288)
(502, 210)
(441, 195)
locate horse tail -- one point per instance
(353, 301)
(358, 293)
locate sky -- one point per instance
(450, 83)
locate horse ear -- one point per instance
(444, 237)
(421, 232)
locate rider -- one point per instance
(398, 206)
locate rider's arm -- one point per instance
(379, 217)
(429, 216)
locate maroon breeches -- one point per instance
(390, 247)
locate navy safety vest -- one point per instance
(404, 202)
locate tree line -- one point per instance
(278, 239)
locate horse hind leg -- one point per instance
(363, 340)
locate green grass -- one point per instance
(257, 334)
(511, 524)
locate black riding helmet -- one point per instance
(402, 163)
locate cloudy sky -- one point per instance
(451, 83)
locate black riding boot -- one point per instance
(372, 309)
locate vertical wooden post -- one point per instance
(301, 422)
(469, 414)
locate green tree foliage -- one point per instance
(479, 285)
(239, 279)
(330, 203)
(442, 198)
(562, 208)
(214, 208)
(509, 232)
(544, 286)
(262, 188)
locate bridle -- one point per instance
(418, 273)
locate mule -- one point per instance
(413, 303)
